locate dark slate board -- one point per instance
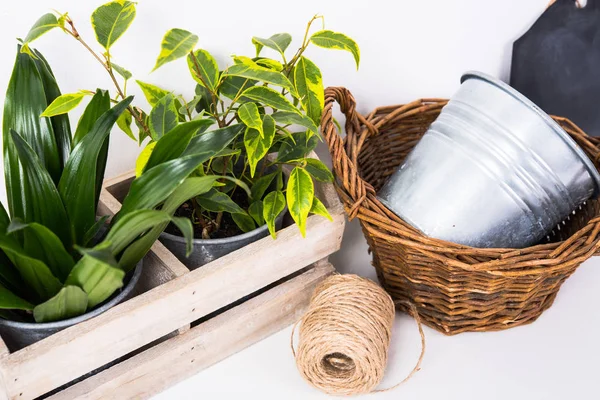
(556, 64)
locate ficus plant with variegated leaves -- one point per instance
(269, 108)
(278, 104)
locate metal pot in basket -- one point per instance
(493, 171)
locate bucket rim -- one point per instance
(595, 175)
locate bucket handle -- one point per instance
(344, 152)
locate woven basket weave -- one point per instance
(455, 288)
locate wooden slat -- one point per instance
(73, 352)
(210, 342)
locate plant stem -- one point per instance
(290, 65)
(107, 66)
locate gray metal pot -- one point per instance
(207, 250)
(18, 335)
(492, 171)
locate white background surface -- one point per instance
(410, 49)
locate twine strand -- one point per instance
(345, 335)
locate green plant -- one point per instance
(269, 98)
(54, 261)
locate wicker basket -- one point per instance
(456, 288)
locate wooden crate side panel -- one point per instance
(212, 341)
(73, 352)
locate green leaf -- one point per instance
(298, 146)
(42, 199)
(244, 222)
(233, 86)
(63, 104)
(309, 85)
(78, 184)
(41, 243)
(248, 113)
(273, 205)
(25, 100)
(97, 275)
(205, 98)
(111, 20)
(286, 118)
(34, 272)
(269, 97)
(91, 234)
(10, 301)
(319, 208)
(258, 146)
(121, 71)
(174, 142)
(204, 69)
(268, 63)
(60, 123)
(175, 44)
(190, 188)
(41, 26)
(213, 142)
(99, 104)
(70, 302)
(318, 170)
(338, 41)
(163, 116)
(152, 93)
(300, 193)
(124, 123)
(190, 106)
(278, 42)
(217, 201)
(261, 185)
(256, 72)
(256, 211)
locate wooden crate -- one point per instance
(180, 322)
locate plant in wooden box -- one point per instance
(57, 267)
(266, 99)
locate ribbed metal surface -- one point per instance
(492, 171)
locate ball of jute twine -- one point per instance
(345, 336)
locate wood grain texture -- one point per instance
(145, 374)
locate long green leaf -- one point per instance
(190, 188)
(25, 101)
(309, 84)
(233, 86)
(269, 97)
(298, 146)
(70, 302)
(174, 142)
(318, 170)
(260, 186)
(204, 69)
(10, 301)
(213, 142)
(338, 41)
(175, 44)
(163, 117)
(42, 199)
(35, 273)
(111, 20)
(244, 221)
(278, 42)
(41, 243)
(217, 201)
(60, 123)
(77, 186)
(99, 104)
(300, 194)
(255, 210)
(319, 208)
(121, 71)
(256, 72)
(97, 274)
(256, 146)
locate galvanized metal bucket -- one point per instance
(492, 171)
(18, 335)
